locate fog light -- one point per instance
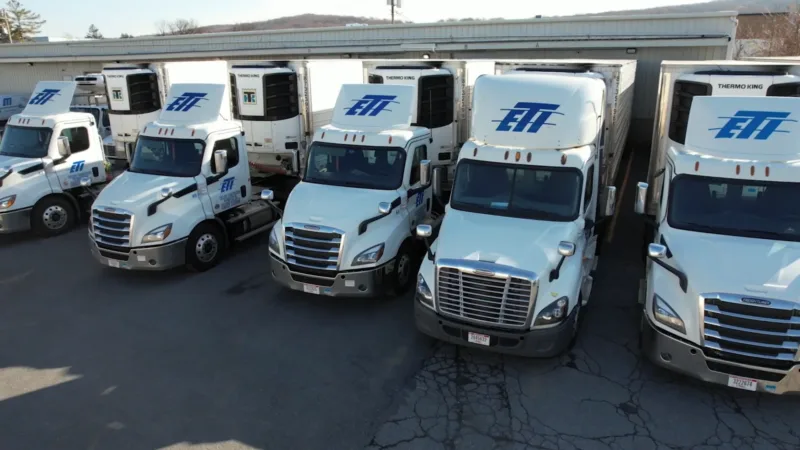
(362, 288)
(666, 357)
(152, 262)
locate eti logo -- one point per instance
(186, 101)
(227, 184)
(420, 197)
(759, 125)
(77, 166)
(6, 101)
(370, 105)
(43, 97)
(527, 115)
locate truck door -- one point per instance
(81, 162)
(231, 189)
(418, 204)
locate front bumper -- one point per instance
(684, 357)
(161, 257)
(366, 283)
(15, 221)
(543, 343)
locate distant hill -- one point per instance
(742, 6)
(301, 21)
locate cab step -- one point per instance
(258, 230)
(248, 210)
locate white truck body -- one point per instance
(137, 92)
(45, 154)
(441, 99)
(720, 301)
(281, 103)
(347, 226)
(681, 81)
(186, 195)
(11, 104)
(619, 76)
(511, 266)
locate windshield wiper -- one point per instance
(764, 233)
(703, 227)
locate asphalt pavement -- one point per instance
(96, 358)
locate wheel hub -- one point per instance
(54, 217)
(206, 248)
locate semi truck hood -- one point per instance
(335, 206)
(16, 164)
(522, 243)
(737, 265)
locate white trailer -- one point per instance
(618, 76)
(137, 92)
(281, 103)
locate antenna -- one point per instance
(394, 4)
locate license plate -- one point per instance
(477, 338)
(311, 289)
(113, 263)
(748, 384)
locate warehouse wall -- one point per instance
(22, 78)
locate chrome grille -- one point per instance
(755, 331)
(112, 226)
(313, 247)
(485, 292)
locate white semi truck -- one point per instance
(720, 297)
(46, 153)
(281, 103)
(347, 227)
(513, 262)
(186, 196)
(137, 92)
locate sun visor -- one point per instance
(749, 126)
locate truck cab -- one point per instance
(512, 265)
(347, 226)
(720, 298)
(134, 101)
(46, 152)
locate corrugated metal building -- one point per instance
(649, 39)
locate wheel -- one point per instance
(204, 248)
(576, 325)
(52, 216)
(404, 270)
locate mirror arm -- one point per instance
(214, 178)
(431, 256)
(682, 279)
(555, 273)
(362, 227)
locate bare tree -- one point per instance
(777, 34)
(177, 27)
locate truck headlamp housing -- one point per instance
(369, 256)
(273, 241)
(666, 315)
(424, 294)
(554, 313)
(7, 202)
(157, 235)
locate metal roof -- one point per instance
(662, 30)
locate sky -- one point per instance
(137, 17)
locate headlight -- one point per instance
(554, 313)
(7, 202)
(158, 235)
(273, 241)
(424, 294)
(369, 256)
(666, 315)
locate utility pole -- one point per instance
(394, 4)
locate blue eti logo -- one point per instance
(7, 101)
(227, 184)
(420, 196)
(370, 105)
(745, 124)
(77, 166)
(43, 97)
(527, 115)
(186, 101)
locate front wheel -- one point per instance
(204, 248)
(52, 216)
(404, 268)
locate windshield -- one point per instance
(25, 142)
(749, 208)
(354, 166)
(169, 157)
(544, 193)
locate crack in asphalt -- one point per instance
(599, 395)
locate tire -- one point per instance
(403, 275)
(204, 248)
(53, 216)
(576, 327)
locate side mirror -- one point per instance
(63, 147)
(566, 249)
(267, 195)
(220, 161)
(86, 181)
(437, 175)
(611, 201)
(166, 192)
(424, 231)
(641, 198)
(384, 208)
(425, 172)
(656, 251)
